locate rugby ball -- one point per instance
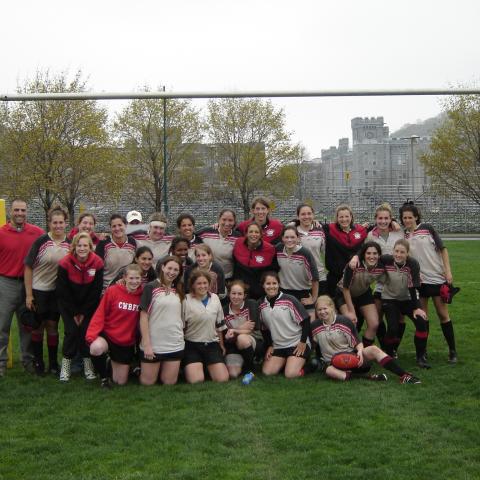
(345, 361)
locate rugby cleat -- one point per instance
(407, 378)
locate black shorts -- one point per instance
(428, 290)
(162, 357)
(322, 287)
(299, 294)
(405, 307)
(360, 301)
(288, 352)
(46, 307)
(207, 353)
(119, 353)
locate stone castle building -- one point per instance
(375, 158)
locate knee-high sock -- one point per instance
(390, 364)
(421, 335)
(100, 364)
(52, 343)
(381, 332)
(37, 346)
(447, 329)
(248, 354)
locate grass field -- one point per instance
(273, 428)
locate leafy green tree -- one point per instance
(454, 157)
(252, 142)
(139, 129)
(57, 151)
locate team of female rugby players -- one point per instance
(219, 300)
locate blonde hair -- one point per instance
(327, 300)
(384, 207)
(77, 238)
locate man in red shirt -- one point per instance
(16, 238)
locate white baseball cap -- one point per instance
(134, 215)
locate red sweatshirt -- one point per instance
(117, 316)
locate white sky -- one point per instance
(254, 45)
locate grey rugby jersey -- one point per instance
(202, 323)
(425, 247)
(360, 279)
(314, 241)
(43, 259)
(400, 279)
(165, 322)
(340, 336)
(297, 270)
(283, 320)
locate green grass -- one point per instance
(274, 428)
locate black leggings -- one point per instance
(393, 310)
(74, 336)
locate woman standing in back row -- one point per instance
(41, 268)
(271, 228)
(428, 249)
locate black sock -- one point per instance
(381, 332)
(52, 343)
(390, 364)
(37, 347)
(100, 364)
(248, 355)
(401, 331)
(447, 329)
(421, 336)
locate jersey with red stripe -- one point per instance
(165, 323)
(401, 279)
(298, 269)
(314, 241)
(359, 279)
(283, 320)
(426, 246)
(339, 336)
(222, 247)
(43, 259)
(115, 256)
(159, 248)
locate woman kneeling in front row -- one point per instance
(114, 325)
(204, 326)
(337, 334)
(285, 326)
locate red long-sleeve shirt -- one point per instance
(117, 316)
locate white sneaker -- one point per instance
(65, 371)
(88, 369)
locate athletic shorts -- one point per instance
(428, 290)
(162, 357)
(405, 307)
(46, 305)
(360, 301)
(288, 352)
(299, 294)
(119, 353)
(322, 287)
(207, 353)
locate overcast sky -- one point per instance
(192, 45)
